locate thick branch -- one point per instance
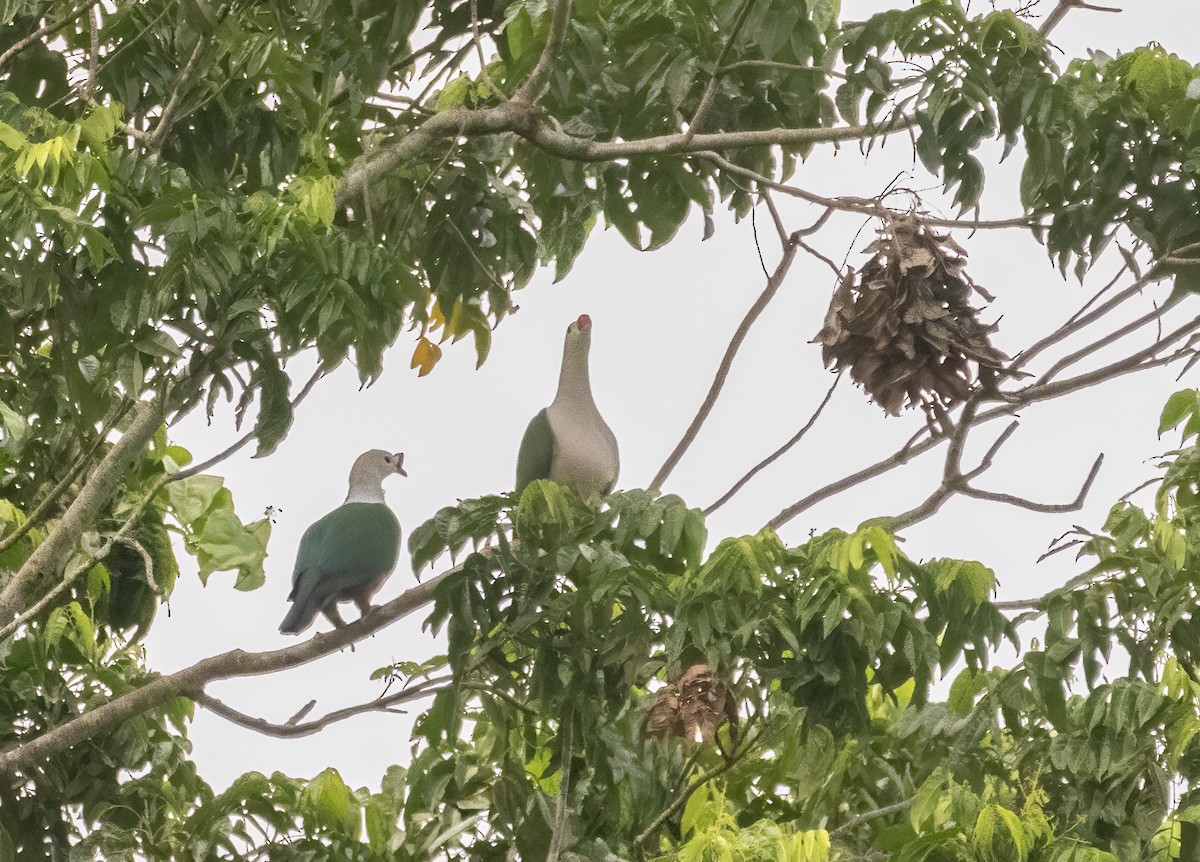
(47, 560)
(521, 119)
(192, 680)
(735, 343)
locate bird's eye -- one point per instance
(387, 459)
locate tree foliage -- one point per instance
(192, 194)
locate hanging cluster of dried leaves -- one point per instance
(905, 328)
(692, 707)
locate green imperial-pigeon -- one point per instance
(569, 442)
(348, 554)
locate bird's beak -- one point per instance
(400, 464)
(584, 322)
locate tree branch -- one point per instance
(861, 206)
(735, 343)
(294, 728)
(196, 469)
(47, 560)
(168, 114)
(787, 67)
(1015, 401)
(539, 79)
(710, 90)
(778, 453)
(513, 116)
(1064, 6)
(45, 30)
(192, 680)
(1048, 508)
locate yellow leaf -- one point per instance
(425, 356)
(436, 318)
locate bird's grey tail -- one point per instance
(304, 608)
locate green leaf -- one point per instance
(332, 803)
(1184, 403)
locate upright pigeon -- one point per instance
(348, 554)
(569, 441)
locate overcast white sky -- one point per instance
(662, 321)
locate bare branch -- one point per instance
(777, 454)
(735, 343)
(295, 728)
(89, 86)
(192, 680)
(862, 206)
(1100, 343)
(780, 229)
(1140, 361)
(1079, 319)
(1019, 605)
(874, 814)
(1049, 508)
(1064, 6)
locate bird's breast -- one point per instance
(585, 451)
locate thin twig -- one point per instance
(221, 456)
(735, 343)
(483, 65)
(1078, 321)
(777, 454)
(862, 206)
(710, 90)
(293, 728)
(1064, 6)
(45, 30)
(787, 67)
(1100, 343)
(782, 231)
(1048, 508)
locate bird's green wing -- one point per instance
(536, 453)
(309, 553)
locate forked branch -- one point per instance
(295, 728)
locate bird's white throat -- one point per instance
(365, 492)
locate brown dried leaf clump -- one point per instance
(905, 329)
(692, 707)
